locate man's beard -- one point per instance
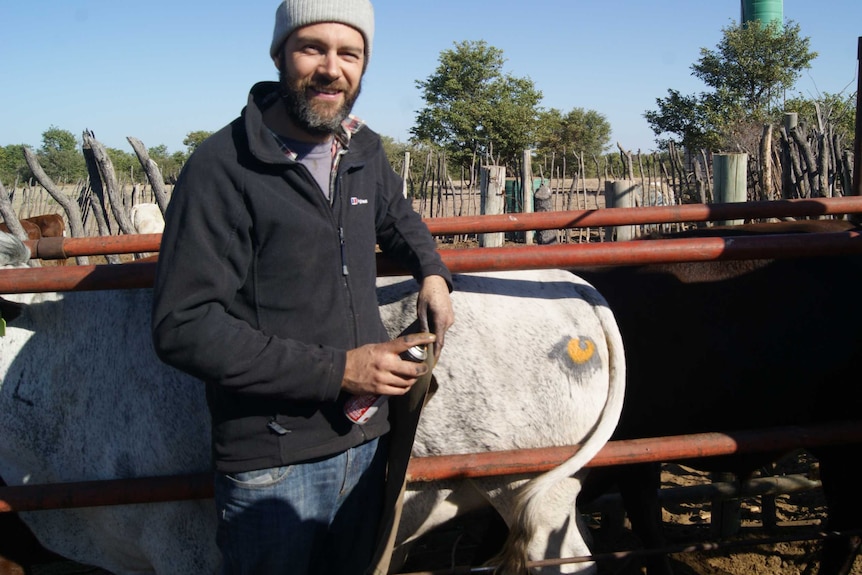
(324, 120)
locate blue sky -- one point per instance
(160, 69)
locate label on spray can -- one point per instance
(361, 408)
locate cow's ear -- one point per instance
(10, 310)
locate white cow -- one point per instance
(147, 218)
(535, 359)
(82, 396)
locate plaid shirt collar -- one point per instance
(349, 126)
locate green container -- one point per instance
(514, 197)
(767, 11)
(515, 202)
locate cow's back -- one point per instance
(147, 218)
(510, 354)
(50, 225)
(736, 345)
(32, 230)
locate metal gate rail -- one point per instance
(426, 469)
(564, 256)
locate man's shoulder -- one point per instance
(219, 144)
(220, 138)
(365, 140)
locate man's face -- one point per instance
(321, 69)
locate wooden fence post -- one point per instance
(493, 200)
(765, 172)
(544, 203)
(621, 194)
(857, 144)
(791, 119)
(527, 191)
(405, 172)
(730, 176)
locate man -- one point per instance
(265, 290)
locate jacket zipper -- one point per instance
(334, 184)
(344, 271)
(338, 189)
(337, 194)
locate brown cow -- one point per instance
(33, 231)
(44, 226)
(51, 225)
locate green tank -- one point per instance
(766, 11)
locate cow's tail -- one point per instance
(513, 558)
(13, 252)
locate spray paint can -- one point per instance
(417, 353)
(361, 408)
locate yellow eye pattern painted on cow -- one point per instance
(581, 350)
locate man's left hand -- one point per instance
(434, 308)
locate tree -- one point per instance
(755, 64)
(126, 165)
(689, 118)
(56, 140)
(60, 155)
(194, 139)
(13, 167)
(579, 131)
(473, 108)
(837, 110)
(169, 164)
(394, 151)
(748, 74)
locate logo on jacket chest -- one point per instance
(354, 201)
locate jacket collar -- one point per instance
(349, 126)
(266, 145)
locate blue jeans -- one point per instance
(319, 517)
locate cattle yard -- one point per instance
(722, 541)
(461, 261)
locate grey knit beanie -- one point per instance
(293, 14)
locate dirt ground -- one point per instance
(797, 516)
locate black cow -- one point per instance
(737, 345)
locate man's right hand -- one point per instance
(378, 368)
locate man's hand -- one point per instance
(434, 309)
(378, 368)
